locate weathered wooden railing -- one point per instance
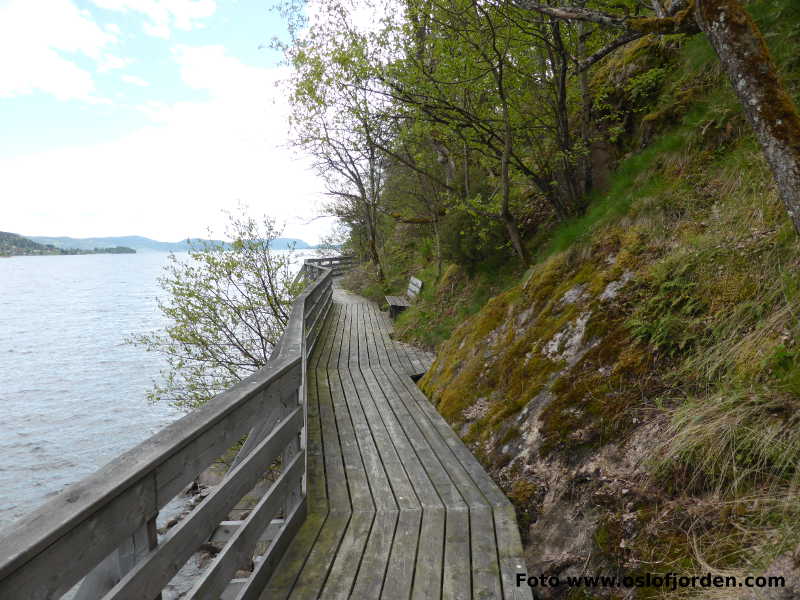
(339, 264)
(101, 531)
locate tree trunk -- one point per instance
(515, 237)
(658, 9)
(438, 244)
(375, 258)
(505, 209)
(587, 176)
(767, 106)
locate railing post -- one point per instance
(294, 496)
(114, 567)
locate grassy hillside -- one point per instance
(636, 391)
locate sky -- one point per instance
(147, 117)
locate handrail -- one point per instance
(339, 264)
(104, 525)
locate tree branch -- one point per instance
(681, 21)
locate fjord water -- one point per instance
(72, 391)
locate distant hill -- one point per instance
(143, 244)
(12, 244)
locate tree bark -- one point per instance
(767, 106)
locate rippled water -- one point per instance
(72, 391)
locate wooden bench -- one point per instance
(397, 304)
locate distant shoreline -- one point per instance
(13, 244)
(70, 252)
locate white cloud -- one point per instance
(33, 38)
(109, 62)
(170, 180)
(134, 80)
(163, 15)
(212, 69)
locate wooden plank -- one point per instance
(383, 329)
(332, 361)
(348, 557)
(281, 582)
(361, 334)
(386, 442)
(410, 544)
(445, 488)
(509, 548)
(319, 358)
(456, 581)
(318, 563)
(352, 333)
(397, 301)
(234, 588)
(272, 558)
(377, 478)
(316, 488)
(415, 366)
(357, 483)
(243, 542)
(335, 476)
(399, 576)
(226, 530)
(343, 357)
(382, 354)
(429, 564)
(486, 583)
(321, 354)
(341, 548)
(376, 348)
(372, 571)
(160, 565)
(438, 541)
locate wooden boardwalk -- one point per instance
(397, 506)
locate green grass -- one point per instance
(448, 301)
(632, 180)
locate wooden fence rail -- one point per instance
(101, 531)
(339, 264)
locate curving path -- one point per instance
(397, 506)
